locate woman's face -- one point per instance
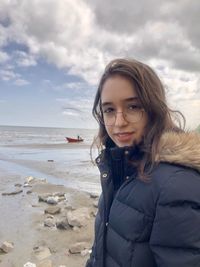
(125, 120)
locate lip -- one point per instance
(124, 136)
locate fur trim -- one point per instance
(180, 148)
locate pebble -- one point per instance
(7, 246)
(29, 264)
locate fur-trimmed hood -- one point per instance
(180, 148)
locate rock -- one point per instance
(63, 224)
(50, 160)
(29, 179)
(52, 210)
(95, 203)
(69, 207)
(33, 180)
(29, 264)
(93, 195)
(18, 191)
(78, 217)
(85, 252)
(18, 185)
(41, 252)
(7, 246)
(27, 185)
(45, 263)
(35, 205)
(50, 216)
(94, 213)
(62, 198)
(59, 194)
(43, 197)
(52, 200)
(49, 222)
(29, 192)
(76, 229)
(78, 247)
(67, 253)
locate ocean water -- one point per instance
(15, 135)
(23, 149)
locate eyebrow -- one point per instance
(126, 100)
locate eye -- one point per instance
(134, 107)
(108, 110)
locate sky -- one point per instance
(53, 52)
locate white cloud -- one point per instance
(21, 82)
(3, 57)
(73, 87)
(70, 113)
(82, 36)
(24, 60)
(7, 75)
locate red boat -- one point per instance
(74, 140)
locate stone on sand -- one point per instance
(78, 247)
(41, 252)
(45, 263)
(7, 246)
(78, 217)
(52, 210)
(18, 191)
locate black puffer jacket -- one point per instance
(155, 223)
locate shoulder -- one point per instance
(176, 183)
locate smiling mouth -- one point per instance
(124, 136)
(124, 133)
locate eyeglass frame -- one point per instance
(102, 120)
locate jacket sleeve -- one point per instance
(175, 237)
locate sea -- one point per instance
(23, 149)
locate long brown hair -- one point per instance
(151, 93)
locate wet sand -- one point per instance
(52, 146)
(66, 168)
(22, 222)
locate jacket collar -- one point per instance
(180, 148)
(128, 152)
(176, 148)
(118, 153)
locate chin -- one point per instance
(125, 144)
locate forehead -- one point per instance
(118, 88)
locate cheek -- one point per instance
(143, 129)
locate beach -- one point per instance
(43, 186)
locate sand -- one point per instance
(22, 222)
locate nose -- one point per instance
(119, 119)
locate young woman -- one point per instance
(149, 209)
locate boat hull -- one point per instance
(74, 140)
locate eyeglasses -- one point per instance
(131, 113)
